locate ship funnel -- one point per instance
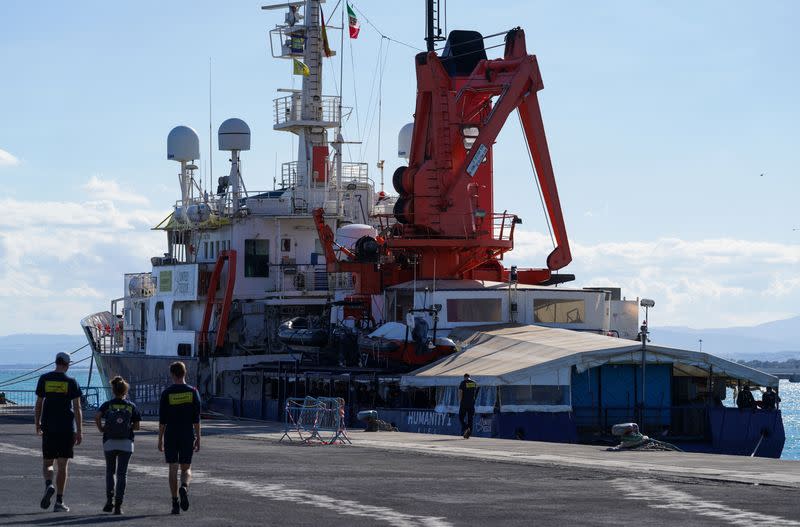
(404, 141)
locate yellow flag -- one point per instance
(300, 68)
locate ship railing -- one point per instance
(357, 173)
(685, 422)
(288, 111)
(103, 332)
(499, 226)
(286, 42)
(308, 277)
(352, 173)
(147, 394)
(23, 402)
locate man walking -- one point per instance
(179, 433)
(770, 400)
(59, 421)
(466, 407)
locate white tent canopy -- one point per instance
(537, 355)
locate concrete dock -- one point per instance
(244, 476)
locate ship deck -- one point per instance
(244, 476)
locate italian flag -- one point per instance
(355, 27)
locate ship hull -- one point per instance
(148, 375)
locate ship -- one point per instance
(324, 286)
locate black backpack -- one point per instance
(118, 421)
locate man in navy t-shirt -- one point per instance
(60, 423)
(466, 407)
(179, 432)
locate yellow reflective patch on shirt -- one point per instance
(470, 384)
(120, 407)
(181, 398)
(55, 387)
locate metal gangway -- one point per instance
(315, 421)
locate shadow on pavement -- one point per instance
(68, 519)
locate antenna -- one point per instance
(210, 136)
(433, 28)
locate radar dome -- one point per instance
(404, 140)
(234, 134)
(183, 144)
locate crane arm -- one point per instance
(515, 81)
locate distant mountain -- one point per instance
(777, 340)
(33, 349)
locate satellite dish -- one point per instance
(183, 144)
(234, 134)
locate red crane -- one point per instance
(445, 221)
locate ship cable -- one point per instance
(538, 186)
(482, 37)
(381, 33)
(14, 380)
(32, 374)
(372, 112)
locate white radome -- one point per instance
(404, 140)
(183, 144)
(234, 134)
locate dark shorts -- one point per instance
(58, 445)
(179, 447)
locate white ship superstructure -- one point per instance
(240, 261)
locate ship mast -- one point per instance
(310, 136)
(306, 112)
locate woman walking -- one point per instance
(121, 419)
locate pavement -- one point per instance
(244, 476)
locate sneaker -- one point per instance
(109, 506)
(118, 507)
(60, 507)
(184, 493)
(48, 495)
(467, 433)
(176, 509)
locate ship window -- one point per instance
(286, 245)
(179, 315)
(256, 258)
(474, 310)
(529, 395)
(559, 311)
(217, 247)
(161, 323)
(184, 350)
(205, 250)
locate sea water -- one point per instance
(789, 393)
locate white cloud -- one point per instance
(7, 159)
(700, 283)
(109, 189)
(61, 260)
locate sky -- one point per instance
(673, 129)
